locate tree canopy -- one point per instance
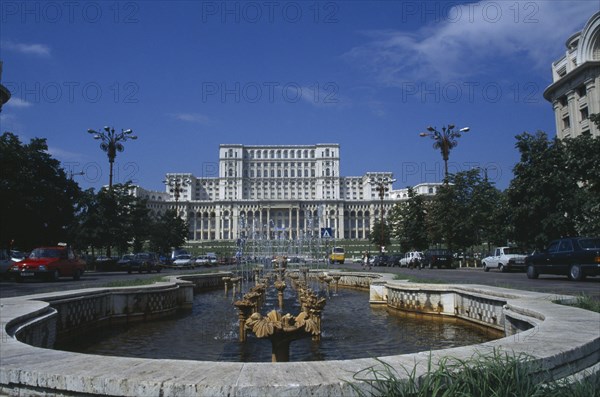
(38, 200)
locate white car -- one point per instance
(183, 261)
(505, 259)
(412, 258)
(203, 260)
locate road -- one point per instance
(546, 283)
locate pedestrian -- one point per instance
(366, 263)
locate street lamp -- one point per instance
(445, 140)
(176, 185)
(381, 185)
(111, 144)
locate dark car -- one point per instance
(49, 263)
(574, 257)
(439, 257)
(144, 262)
(381, 260)
(394, 260)
(125, 261)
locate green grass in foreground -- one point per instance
(496, 374)
(587, 302)
(136, 282)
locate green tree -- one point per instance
(542, 194)
(38, 200)
(168, 231)
(409, 225)
(461, 213)
(380, 234)
(595, 118)
(489, 215)
(113, 218)
(582, 162)
(140, 224)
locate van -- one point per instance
(337, 255)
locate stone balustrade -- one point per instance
(565, 340)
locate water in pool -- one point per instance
(351, 328)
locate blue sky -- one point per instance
(370, 75)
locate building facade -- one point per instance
(575, 90)
(276, 192)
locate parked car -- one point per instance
(144, 262)
(184, 260)
(125, 261)
(437, 257)
(202, 260)
(6, 262)
(178, 252)
(18, 256)
(394, 260)
(505, 259)
(380, 260)
(411, 259)
(574, 257)
(49, 263)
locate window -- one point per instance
(581, 91)
(585, 113)
(553, 247)
(565, 246)
(566, 122)
(562, 100)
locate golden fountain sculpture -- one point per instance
(282, 330)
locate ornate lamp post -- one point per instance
(176, 185)
(111, 144)
(445, 141)
(4, 92)
(381, 185)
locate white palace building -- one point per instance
(575, 89)
(277, 192)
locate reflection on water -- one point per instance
(351, 328)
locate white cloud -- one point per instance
(29, 49)
(63, 155)
(17, 103)
(474, 40)
(192, 118)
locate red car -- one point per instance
(49, 263)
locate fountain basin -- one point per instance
(533, 323)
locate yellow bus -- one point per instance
(337, 255)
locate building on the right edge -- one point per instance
(575, 89)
